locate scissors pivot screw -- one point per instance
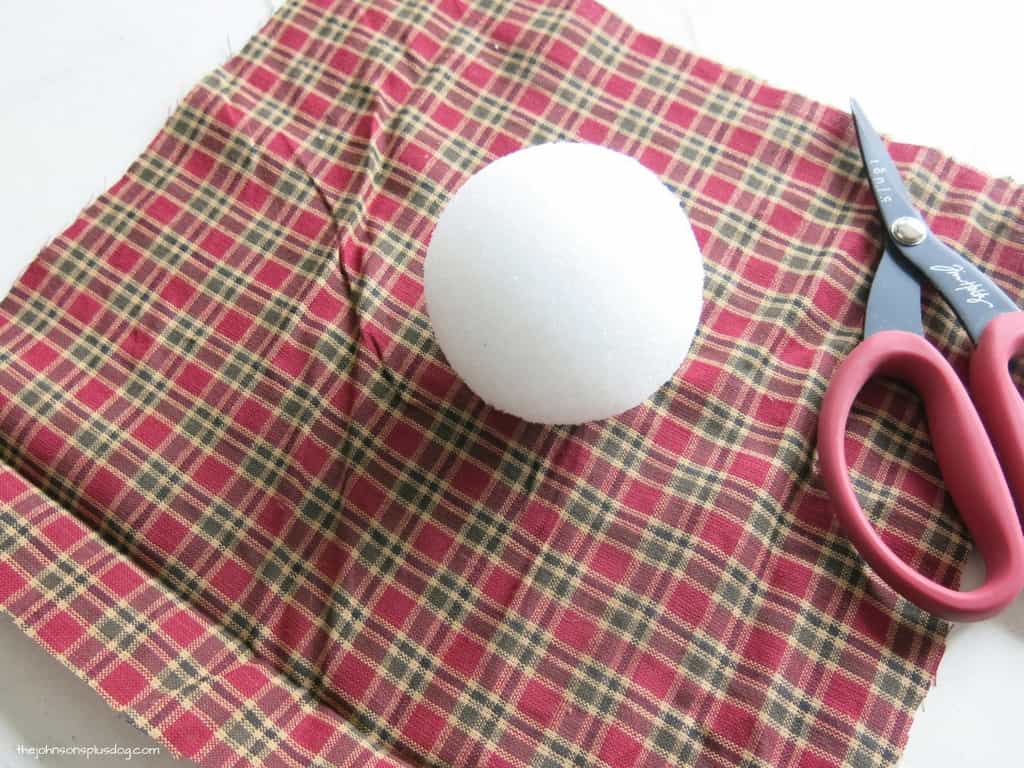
(908, 230)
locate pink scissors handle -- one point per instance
(997, 398)
(973, 475)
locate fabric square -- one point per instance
(227, 423)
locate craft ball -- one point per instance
(564, 283)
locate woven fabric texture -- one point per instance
(245, 498)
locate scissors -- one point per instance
(978, 438)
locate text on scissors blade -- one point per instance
(976, 291)
(882, 188)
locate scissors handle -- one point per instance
(970, 468)
(996, 395)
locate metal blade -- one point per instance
(894, 303)
(890, 194)
(974, 296)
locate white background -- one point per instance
(84, 86)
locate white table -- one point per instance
(86, 85)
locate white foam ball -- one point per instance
(564, 283)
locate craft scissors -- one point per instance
(978, 438)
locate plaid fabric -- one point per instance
(245, 498)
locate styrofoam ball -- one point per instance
(564, 283)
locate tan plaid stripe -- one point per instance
(245, 498)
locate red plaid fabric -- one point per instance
(245, 498)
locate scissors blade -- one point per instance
(970, 292)
(886, 184)
(894, 302)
